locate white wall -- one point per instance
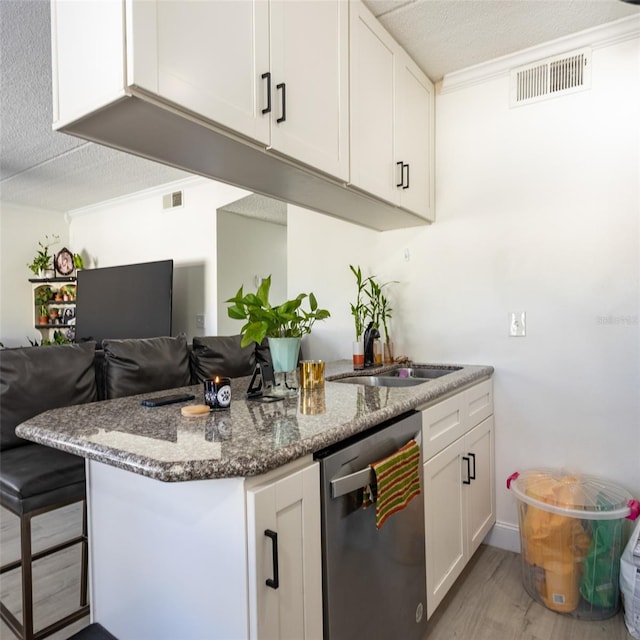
(137, 229)
(248, 248)
(320, 249)
(537, 210)
(20, 231)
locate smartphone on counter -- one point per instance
(170, 399)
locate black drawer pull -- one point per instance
(472, 475)
(468, 480)
(267, 75)
(275, 582)
(401, 165)
(406, 186)
(283, 86)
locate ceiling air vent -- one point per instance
(172, 200)
(551, 77)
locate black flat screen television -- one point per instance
(128, 301)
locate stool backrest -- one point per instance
(142, 365)
(35, 379)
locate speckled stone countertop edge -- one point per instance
(245, 463)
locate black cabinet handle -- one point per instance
(275, 582)
(403, 183)
(472, 475)
(401, 165)
(468, 480)
(283, 86)
(267, 75)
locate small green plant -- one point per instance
(286, 320)
(78, 261)
(379, 307)
(43, 294)
(43, 259)
(359, 310)
(371, 303)
(43, 311)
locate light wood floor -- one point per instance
(56, 578)
(487, 603)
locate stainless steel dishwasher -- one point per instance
(373, 581)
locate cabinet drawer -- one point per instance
(479, 402)
(443, 423)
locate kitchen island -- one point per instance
(187, 557)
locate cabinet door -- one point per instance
(414, 132)
(290, 508)
(309, 74)
(444, 522)
(480, 494)
(210, 59)
(372, 66)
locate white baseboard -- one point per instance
(504, 536)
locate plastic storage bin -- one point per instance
(573, 528)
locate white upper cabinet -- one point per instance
(310, 83)
(415, 138)
(311, 101)
(392, 118)
(204, 60)
(276, 72)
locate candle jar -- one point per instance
(217, 393)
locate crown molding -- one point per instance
(596, 38)
(138, 195)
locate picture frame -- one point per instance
(64, 262)
(68, 315)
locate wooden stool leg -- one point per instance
(27, 577)
(85, 557)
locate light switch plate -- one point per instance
(517, 324)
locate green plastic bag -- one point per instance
(600, 584)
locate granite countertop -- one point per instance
(248, 439)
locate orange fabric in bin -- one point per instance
(555, 542)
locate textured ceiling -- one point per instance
(49, 170)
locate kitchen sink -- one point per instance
(382, 381)
(405, 377)
(420, 372)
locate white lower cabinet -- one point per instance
(459, 490)
(284, 563)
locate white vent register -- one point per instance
(172, 200)
(559, 75)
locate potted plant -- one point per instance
(42, 294)
(43, 317)
(380, 312)
(283, 325)
(43, 260)
(371, 309)
(360, 312)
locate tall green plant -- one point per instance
(286, 320)
(359, 310)
(371, 304)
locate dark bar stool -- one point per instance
(35, 479)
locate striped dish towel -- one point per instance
(397, 479)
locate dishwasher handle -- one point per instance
(358, 479)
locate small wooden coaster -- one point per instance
(192, 410)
